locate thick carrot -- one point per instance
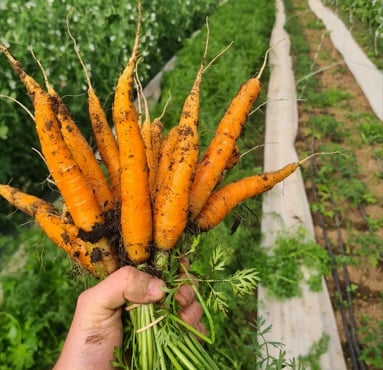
(223, 200)
(103, 134)
(213, 162)
(136, 214)
(172, 199)
(77, 194)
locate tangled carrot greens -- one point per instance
(157, 188)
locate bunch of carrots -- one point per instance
(155, 189)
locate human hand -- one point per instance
(97, 328)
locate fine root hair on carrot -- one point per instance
(14, 100)
(311, 156)
(251, 150)
(265, 58)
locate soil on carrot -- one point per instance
(348, 205)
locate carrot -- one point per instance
(233, 159)
(166, 158)
(156, 129)
(68, 178)
(103, 134)
(221, 147)
(223, 200)
(146, 133)
(136, 215)
(63, 235)
(81, 151)
(172, 199)
(82, 154)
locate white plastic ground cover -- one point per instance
(369, 78)
(299, 322)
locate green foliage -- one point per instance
(324, 125)
(371, 131)
(283, 272)
(104, 31)
(39, 295)
(311, 360)
(372, 346)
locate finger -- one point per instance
(185, 295)
(185, 265)
(126, 284)
(191, 314)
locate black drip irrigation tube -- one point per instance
(343, 296)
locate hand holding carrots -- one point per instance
(97, 328)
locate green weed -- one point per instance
(371, 333)
(282, 273)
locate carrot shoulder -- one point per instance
(223, 200)
(136, 215)
(222, 145)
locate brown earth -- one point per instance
(365, 277)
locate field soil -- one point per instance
(361, 278)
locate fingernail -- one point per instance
(154, 287)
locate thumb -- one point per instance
(126, 284)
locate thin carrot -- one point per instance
(68, 178)
(95, 257)
(172, 199)
(221, 147)
(156, 129)
(146, 133)
(136, 215)
(103, 134)
(223, 200)
(81, 151)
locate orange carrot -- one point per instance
(223, 200)
(68, 178)
(103, 134)
(222, 145)
(136, 215)
(166, 158)
(156, 129)
(82, 153)
(233, 159)
(146, 133)
(172, 199)
(63, 235)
